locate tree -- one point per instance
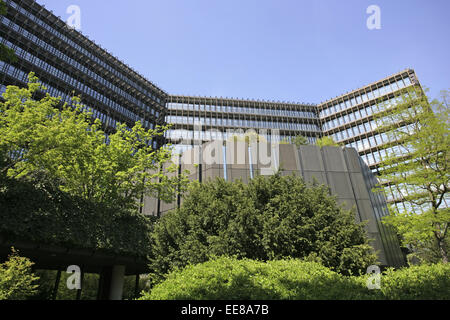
(6, 54)
(17, 282)
(58, 144)
(327, 142)
(270, 218)
(300, 141)
(416, 168)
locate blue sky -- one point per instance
(287, 50)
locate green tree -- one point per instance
(327, 142)
(416, 171)
(6, 54)
(300, 141)
(47, 141)
(17, 282)
(270, 218)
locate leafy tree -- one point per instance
(6, 54)
(270, 218)
(17, 282)
(300, 141)
(417, 170)
(59, 144)
(327, 142)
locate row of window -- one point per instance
(374, 94)
(376, 156)
(73, 63)
(82, 50)
(241, 110)
(355, 131)
(357, 115)
(243, 123)
(71, 81)
(96, 114)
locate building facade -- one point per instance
(194, 118)
(69, 64)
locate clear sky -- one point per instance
(287, 50)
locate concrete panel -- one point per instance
(377, 244)
(359, 186)
(212, 174)
(168, 206)
(340, 184)
(348, 204)
(367, 214)
(287, 159)
(311, 158)
(150, 206)
(237, 154)
(236, 174)
(352, 157)
(320, 177)
(212, 154)
(290, 173)
(264, 155)
(334, 159)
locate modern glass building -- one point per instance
(350, 119)
(68, 63)
(193, 119)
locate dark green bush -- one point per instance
(231, 279)
(271, 218)
(45, 215)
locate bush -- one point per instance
(42, 214)
(17, 282)
(231, 279)
(271, 218)
(425, 282)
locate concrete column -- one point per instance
(117, 280)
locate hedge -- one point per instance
(231, 279)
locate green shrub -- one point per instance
(17, 282)
(270, 218)
(230, 279)
(425, 282)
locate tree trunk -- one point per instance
(443, 250)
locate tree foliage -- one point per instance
(300, 141)
(17, 281)
(37, 213)
(270, 218)
(47, 141)
(417, 171)
(327, 142)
